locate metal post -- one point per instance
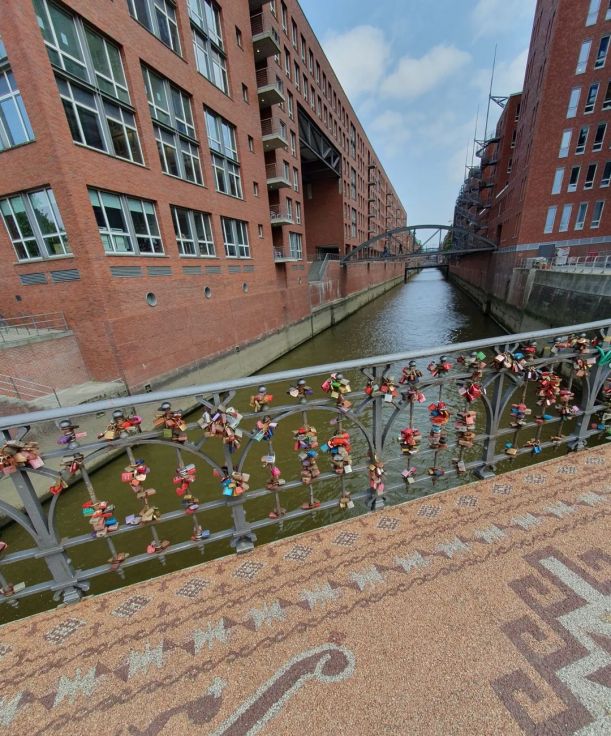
(377, 426)
(49, 545)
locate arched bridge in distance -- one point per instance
(426, 246)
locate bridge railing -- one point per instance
(274, 454)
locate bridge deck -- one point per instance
(481, 610)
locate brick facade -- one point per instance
(119, 333)
(519, 178)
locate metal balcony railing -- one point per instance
(575, 264)
(420, 421)
(265, 36)
(280, 215)
(24, 389)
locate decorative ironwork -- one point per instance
(456, 410)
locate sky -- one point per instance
(416, 72)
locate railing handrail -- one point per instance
(19, 381)
(295, 373)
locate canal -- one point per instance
(426, 312)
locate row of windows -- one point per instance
(584, 54)
(127, 225)
(159, 17)
(590, 101)
(594, 9)
(565, 218)
(15, 128)
(573, 181)
(582, 140)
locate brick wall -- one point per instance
(57, 363)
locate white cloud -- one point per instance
(359, 57)
(493, 17)
(414, 77)
(508, 76)
(391, 130)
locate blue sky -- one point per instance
(416, 71)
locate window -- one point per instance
(599, 137)
(572, 108)
(34, 225)
(289, 208)
(251, 144)
(353, 223)
(295, 245)
(581, 141)
(590, 176)
(303, 49)
(604, 181)
(126, 224)
(549, 220)
(608, 13)
(572, 187)
(584, 54)
(581, 216)
(597, 213)
(565, 218)
(193, 232)
(607, 100)
(172, 117)
(593, 12)
(159, 17)
(293, 143)
(208, 42)
(294, 33)
(272, 7)
(235, 235)
(510, 165)
(601, 56)
(287, 62)
(298, 213)
(297, 76)
(260, 230)
(591, 99)
(285, 17)
(305, 86)
(313, 97)
(352, 183)
(295, 179)
(558, 177)
(244, 92)
(310, 61)
(15, 127)
(223, 146)
(76, 50)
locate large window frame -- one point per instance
(606, 175)
(584, 54)
(127, 225)
(597, 214)
(172, 118)
(208, 45)
(92, 85)
(193, 230)
(159, 18)
(15, 128)
(296, 245)
(34, 225)
(580, 220)
(235, 238)
(222, 139)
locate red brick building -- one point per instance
(543, 183)
(168, 168)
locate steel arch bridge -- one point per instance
(443, 242)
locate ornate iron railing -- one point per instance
(401, 426)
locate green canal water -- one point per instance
(426, 312)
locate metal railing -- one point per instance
(276, 212)
(275, 171)
(270, 126)
(25, 390)
(508, 397)
(265, 78)
(578, 264)
(260, 24)
(28, 325)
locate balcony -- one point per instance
(270, 89)
(283, 255)
(277, 178)
(280, 216)
(265, 38)
(274, 136)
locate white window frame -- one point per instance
(130, 233)
(167, 8)
(580, 148)
(589, 181)
(550, 219)
(298, 213)
(584, 55)
(603, 51)
(572, 185)
(565, 143)
(190, 244)
(580, 220)
(597, 214)
(296, 245)
(208, 44)
(592, 16)
(558, 178)
(34, 246)
(12, 100)
(222, 139)
(565, 218)
(590, 103)
(606, 175)
(235, 237)
(295, 179)
(571, 111)
(597, 145)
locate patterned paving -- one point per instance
(483, 610)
